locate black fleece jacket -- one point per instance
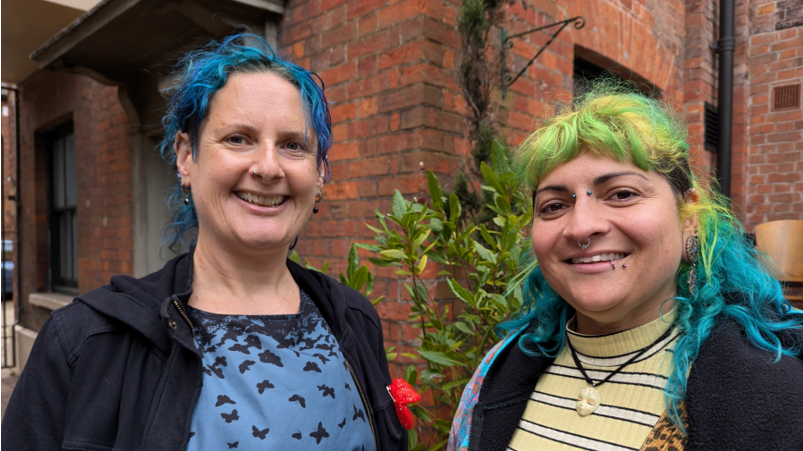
(118, 370)
(736, 399)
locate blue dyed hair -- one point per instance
(734, 280)
(202, 73)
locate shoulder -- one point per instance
(738, 390)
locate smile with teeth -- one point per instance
(262, 201)
(598, 258)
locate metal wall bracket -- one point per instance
(508, 79)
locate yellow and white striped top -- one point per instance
(632, 400)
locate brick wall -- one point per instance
(775, 153)
(103, 181)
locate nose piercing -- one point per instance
(584, 246)
(588, 193)
(254, 171)
(574, 196)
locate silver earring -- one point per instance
(186, 190)
(584, 246)
(692, 253)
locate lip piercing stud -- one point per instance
(624, 266)
(574, 196)
(613, 266)
(584, 246)
(588, 193)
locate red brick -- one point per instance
(338, 74)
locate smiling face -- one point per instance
(631, 218)
(255, 123)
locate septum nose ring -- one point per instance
(584, 246)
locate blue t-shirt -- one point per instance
(275, 382)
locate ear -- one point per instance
(321, 177)
(692, 223)
(183, 149)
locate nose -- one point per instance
(586, 220)
(268, 163)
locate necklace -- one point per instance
(589, 398)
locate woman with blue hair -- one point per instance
(231, 345)
(650, 321)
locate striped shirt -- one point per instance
(632, 400)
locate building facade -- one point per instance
(397, 110)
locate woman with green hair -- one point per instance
(650, 322)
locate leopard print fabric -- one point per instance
(666, 436)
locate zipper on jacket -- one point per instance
(364, 401)
(186, 318)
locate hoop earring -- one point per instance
(692, 253)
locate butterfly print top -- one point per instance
(275, 382)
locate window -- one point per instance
(63, 221)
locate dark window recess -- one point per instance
(786, 97)
(586, 72)
(711, 125)
(63, 220)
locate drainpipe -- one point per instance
(725, 47)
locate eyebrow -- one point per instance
(597, 181)
(604, 178)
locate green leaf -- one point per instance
(421, 265)
(394, 253)
(399, 206)
(491, 179)
(484, 252)
(463, 327)
(454, 206)
(294, 257)
(439, 358)
(435, 191)
(460, 292)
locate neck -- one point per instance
(593, 323)
(251, 283)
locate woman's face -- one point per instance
(254, 123)
(631, 218)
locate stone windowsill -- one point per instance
(49, 301)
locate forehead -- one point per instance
(589, 165)
(251, 93)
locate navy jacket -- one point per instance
(118, 369)
(736, 398)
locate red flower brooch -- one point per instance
(403, 394)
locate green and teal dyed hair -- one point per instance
(734, 282)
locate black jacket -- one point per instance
(118, 370)
(736, 398)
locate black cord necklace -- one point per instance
(589, 398)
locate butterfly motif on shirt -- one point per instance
(299, 399)
(264, 385)
(327, 391)
(358, 413)
(260, 434)
(269, 357)
(297, 435)
(245, 366)
(320, 434)
(320, 356)
(229, 417)
(223, 399)
(342, 424)
(312, 366)
(233, 445)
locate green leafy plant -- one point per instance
(431, 244)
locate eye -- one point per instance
(551, 209)
(236, 140)
(295, 147)
(623, 195)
